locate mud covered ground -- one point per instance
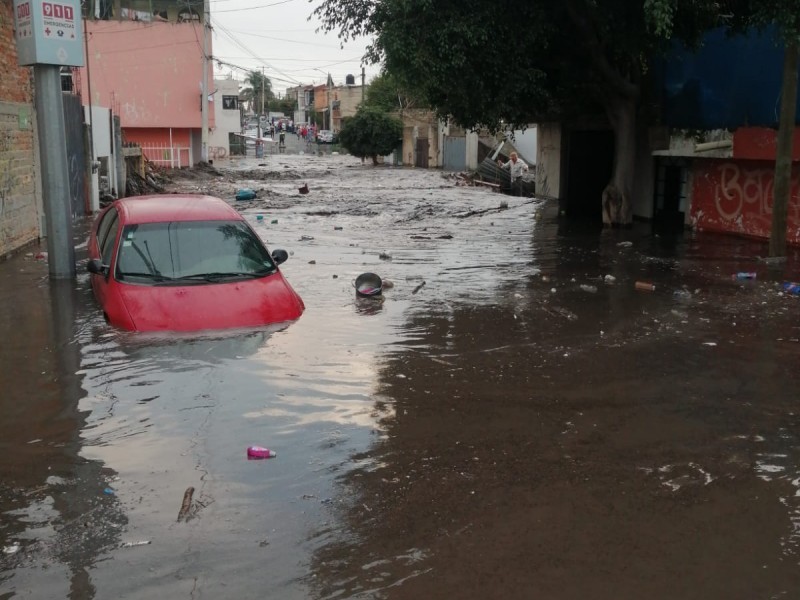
(511, 419)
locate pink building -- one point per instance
(148, 68)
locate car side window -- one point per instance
(107, 241)
(102, 229)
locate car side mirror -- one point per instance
(280, 256)
(96, 266)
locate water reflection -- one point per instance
(369, 306)
(521, 441)
(55, 514)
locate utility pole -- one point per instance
(782, 188)
(363, 83)
(33, 22)
(262, 99)
(330, 103)
(204, 99)
(55, 172)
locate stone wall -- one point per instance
(19, 207)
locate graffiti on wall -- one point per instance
(736, 196)
(8, 180)
(215, 152)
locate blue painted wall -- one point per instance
(730, 82)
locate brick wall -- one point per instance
(19, 207)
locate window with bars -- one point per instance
(175, 11)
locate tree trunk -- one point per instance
(617, 206)
(782, 190)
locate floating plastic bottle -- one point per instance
(745, 275)
(791, 287)
(260, 452)
(645, 286)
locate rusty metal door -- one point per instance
(422, 153)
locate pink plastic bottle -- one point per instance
(260, 452)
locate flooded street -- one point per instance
(512, 419)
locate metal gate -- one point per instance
(76, 157)
(455, 153)
(422, 153)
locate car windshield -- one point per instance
(191, 252)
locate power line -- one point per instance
(254, 7)
(247, 50)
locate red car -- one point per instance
(185, 263)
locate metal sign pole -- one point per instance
(55, 174)
(48, 36)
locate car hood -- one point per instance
(246, 303)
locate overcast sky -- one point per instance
(277, 35)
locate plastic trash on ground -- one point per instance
(258, 452)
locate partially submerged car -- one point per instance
(182, 262)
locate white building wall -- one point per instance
(227, 118)
(472, 150)
(548, 160)
(105, 176)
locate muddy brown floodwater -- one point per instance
(526, 424)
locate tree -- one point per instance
(258, 90)
(371, 133)
(385, 92)
(282, 105)
(785, 16)
(487, 62)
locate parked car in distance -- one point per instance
(325, 136)
(183, 262)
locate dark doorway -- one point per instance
(590, 160)
(670, 200)
(422, 153)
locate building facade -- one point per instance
(345, 101)
(146, 61)
(227, 117)
(20, 184)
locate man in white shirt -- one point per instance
(516, 168)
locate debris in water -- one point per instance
(133, 544)
(12, 549)
(186, 505)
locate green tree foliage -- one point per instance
(371, 133)
(255, 85)
(283, 105)
(388, 94)
(493, 62)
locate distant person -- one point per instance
(282, 139)
(516, 168)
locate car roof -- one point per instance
(175, 207)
